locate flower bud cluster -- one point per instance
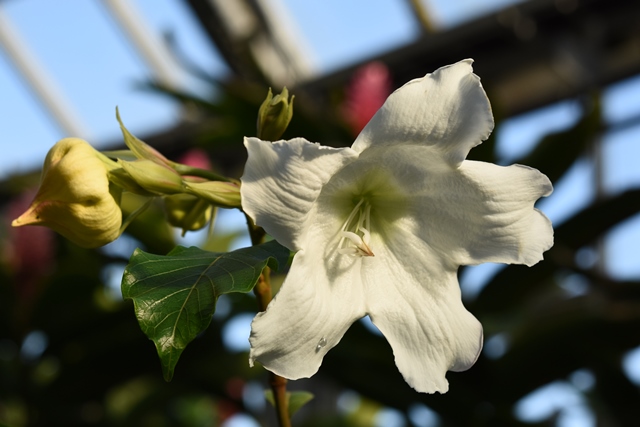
(80, 191)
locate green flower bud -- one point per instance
(274, 115)
(154, 177)
(219, 193)
(75, 198)
(123, 180)
(187, 212)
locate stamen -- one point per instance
(352, 243)
(351, 215)
(357, 240)
(366, 236)
(348, 251)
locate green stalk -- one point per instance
(262, 290)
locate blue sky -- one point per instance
(78, 44)
(80, 47)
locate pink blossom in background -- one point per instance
(197, 158)
(369, 88)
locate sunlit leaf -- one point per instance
(174, 296)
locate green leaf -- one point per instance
(174, 296)
(296, 400)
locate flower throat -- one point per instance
(355, 234)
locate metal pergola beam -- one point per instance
(257, 38)
(528, 55)
(572, 52)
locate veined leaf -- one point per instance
(174, 296)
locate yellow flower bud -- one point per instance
(74, 197)
(154, 177)
(274, 115)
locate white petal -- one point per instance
(513, 231)
(484, 213)
(313, 309)
(447, 110)
(415, 302)
(282, 181)
(476, 213)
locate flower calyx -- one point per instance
(190, 213)
(219, 193)
(139, 148)
(156, 178)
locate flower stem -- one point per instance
(262, 290)
(279, 388)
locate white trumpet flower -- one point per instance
(381, 228)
